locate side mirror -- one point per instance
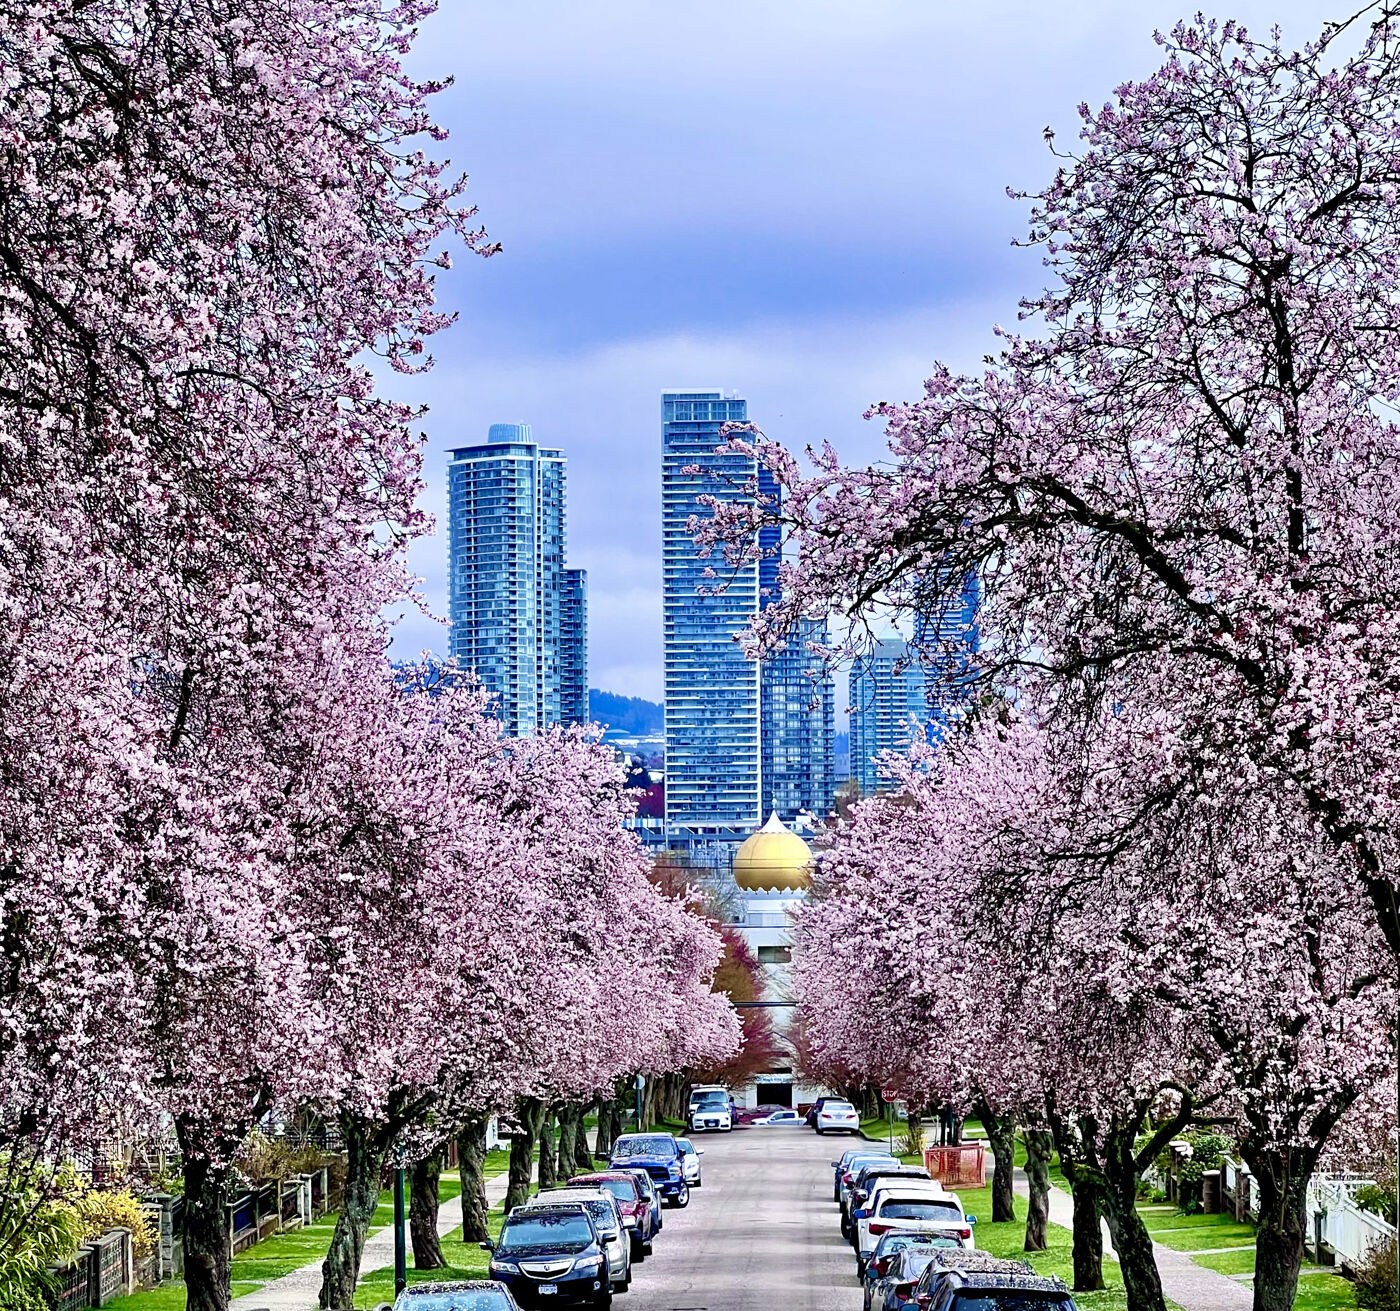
(971, 1219)
(860, 1213)
(836, 1165)
(699, 1151)
(610, 1238)
(487, 1245)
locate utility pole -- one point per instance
(400, 1254)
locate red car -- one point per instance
(638, 1217)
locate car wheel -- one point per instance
(646, 1248)
(683, 1197)
(604, 1301)
(845, 1228)
(639, 1250)
(860, 1268)
(697, 1181)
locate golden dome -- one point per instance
(774, 859)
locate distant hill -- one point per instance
(630, 714)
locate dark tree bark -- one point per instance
(365, 1145)
(471, 1168)
(1122, 1170)
(1282, 1178)
(1088, 1236)
(1039, 1147)
(583, 1154)
(1074, 1142)
(607, 1131)
(1001, 1133)
(569, 1115)
(549, 1174)
(423, 1213)
(206, 1227)
(529, 1111)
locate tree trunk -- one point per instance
(1039, 1147)
(1001, 1133)
(471, 1168)
(364, 1159)
(529, 1111)
(1283, 1181)
(569, 1116)
(549, 1162)
(423, 1213)
(1088, 1236)
(206, 1228)
(583, 1154)
(1138, 1264)
(607, 1120)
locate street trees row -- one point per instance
(1174, 818)
(246, 866)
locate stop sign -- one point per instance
(889, 1094)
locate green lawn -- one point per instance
(283, 1253)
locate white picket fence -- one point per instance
(1348, 1230)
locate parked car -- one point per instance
(811, 1116)
(552, 1255)
(711, 1108)
(658, 1155)
(690, 1161)
(752, 1114)
(782, 1119)
(637, 1201)
(976, 1281)
(607, 1220)
(836, 1117)
(865, 1180)
(889, 1246)
(848, 1169)
(894, 1291)
(457, 1295)
(921, 1210)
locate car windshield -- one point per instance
(684, 1145)
(566, 1229)
(914, 1210)
(712, 1098)
(1009, 1299)
(623, 1189)
(473, 1299)
(603, 1215)
(838, 1106)
(647, 1144)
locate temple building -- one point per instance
(773, 872)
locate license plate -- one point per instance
(549, 1288)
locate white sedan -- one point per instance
(782, 1120)
(837, 1117)
(690, 1161)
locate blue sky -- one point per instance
(803, 201)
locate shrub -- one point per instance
(32, 1239)
(1379, 1199)
(96, 1210)
(1375, 1279)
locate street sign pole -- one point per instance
(890, 1096)
(400, 1255)
(641, 1085)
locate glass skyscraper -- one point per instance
(713, 726)
(889, 705)
(518, 619)
(742, 739)
(898, 688)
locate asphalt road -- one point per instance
(760, 1234)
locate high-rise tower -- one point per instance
(713, 757)
(508, 590)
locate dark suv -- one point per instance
(551, 1256)
(660, 1157)
(974, 1281)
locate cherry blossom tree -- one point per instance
(1186, 479)
(1216, 969)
